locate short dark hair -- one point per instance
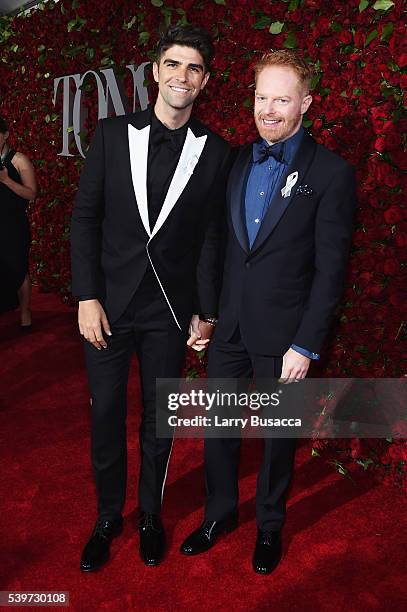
(3, 126)
(186, 36)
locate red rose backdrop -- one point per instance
(359, 50)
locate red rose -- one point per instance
(393, 215)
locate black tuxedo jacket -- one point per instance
(111, 240)
(285, 288)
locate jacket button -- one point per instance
(247, 264)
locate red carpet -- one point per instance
(343, 541)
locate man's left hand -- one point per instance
(295, 367)
(199, 333)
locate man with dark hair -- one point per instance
(290, 205)
(145, 259)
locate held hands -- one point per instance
(93, 322)
(199, 333)
(295, 367)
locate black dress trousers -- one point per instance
(147, 328)
(232, 360)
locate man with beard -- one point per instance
(145, 259)
(290, 211)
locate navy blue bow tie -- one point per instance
(262, 151)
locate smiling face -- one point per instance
(280, 102)
(180, 77)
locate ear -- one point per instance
(306, 103)
(205, 80)
(155, 71)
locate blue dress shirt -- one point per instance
(263, 181)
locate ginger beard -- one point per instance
(274, 128)
(280, 103)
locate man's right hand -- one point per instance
(92, 320)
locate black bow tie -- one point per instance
(174, 140)
(262, 151)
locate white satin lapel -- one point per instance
(138, 148)
(191, 152)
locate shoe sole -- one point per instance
(151, 564)
(221, 535)
(269, 571)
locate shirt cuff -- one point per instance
(304, 352)
(82, 298)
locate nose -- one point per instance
(269, 107)
(181, 74)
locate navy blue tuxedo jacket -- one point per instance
(284, 289)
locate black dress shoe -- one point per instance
(268, 551)
(206, 536)
(152, 538)
(97, 550)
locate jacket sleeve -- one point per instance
(86, 223)
(209, 269)
(333, 237)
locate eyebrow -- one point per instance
(171, 61)
(263, 95)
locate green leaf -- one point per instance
(363, 5)
(75, 4)
(335, 26)
(315, 80)
(294, 4)
(167, 13)
(307, 123)
(41, 48)
(144, 37)
(157, 2)
(130, 24)
(383, 5)
(365, 463)
(262, 22)
(291, 41)
(276, 27)
(225, 74)
(90, 53)
(248, 103)
(220, 2)
(371, 37)
(387, 31)
(315, 453)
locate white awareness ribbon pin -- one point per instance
(291, 180)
